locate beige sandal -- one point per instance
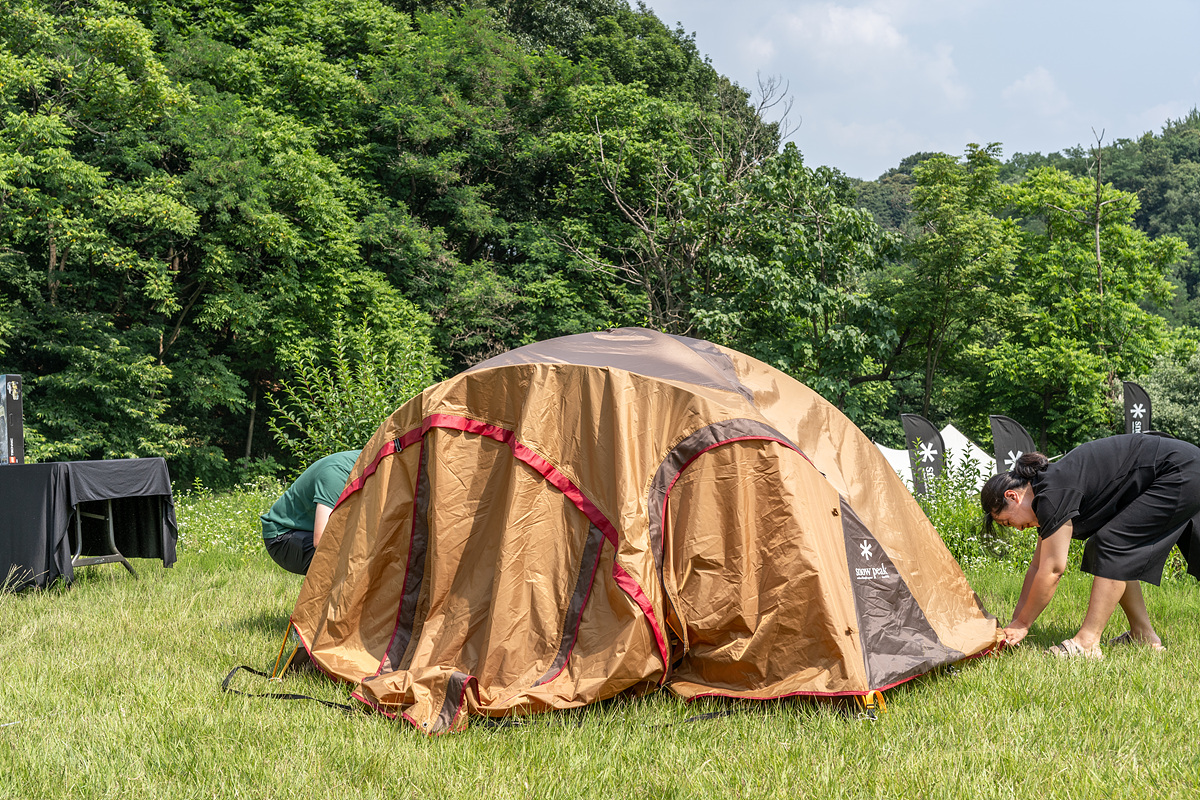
(1069, 648)
(1127, 639)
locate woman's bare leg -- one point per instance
(1106, 593)
(1134, 606)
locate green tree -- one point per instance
(952, 282)
(1084, 275)
(629, 171)
(888, 197)
(99, 398)
(645, 182)
(186, 235)
(86, 228)
(633, 46)
(192, 194)
(785, 259)
(1163, 170)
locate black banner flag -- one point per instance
(12, 426)
(1137, 409)
(926, 452)
(1011, 441)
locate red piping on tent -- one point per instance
(552, 475)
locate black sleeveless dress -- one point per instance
(1132, 497)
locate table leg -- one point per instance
(114, 555)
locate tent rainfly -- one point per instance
(612, 512)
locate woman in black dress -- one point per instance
(1132, 497)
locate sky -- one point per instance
(873, 82)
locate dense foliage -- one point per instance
(1103, 286)
(197, 196)
(200, 200)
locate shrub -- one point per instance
(1174, 388)
(951, 502)
(327, 409)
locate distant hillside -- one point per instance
(1162, 169)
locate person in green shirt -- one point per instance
(292, 527)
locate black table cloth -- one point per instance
(36, 514)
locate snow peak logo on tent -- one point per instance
(868, 573)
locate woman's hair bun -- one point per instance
(1029, 465)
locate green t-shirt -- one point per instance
(322, 483)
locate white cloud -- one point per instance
(1038, 93)
(865, 48)
(831, 31)
(941, 71)
(877, 80)
(756, 50)
(934, 11)
(858, 27)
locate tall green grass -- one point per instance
(110, 689)
(227, 522)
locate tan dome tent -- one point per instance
(617, 511)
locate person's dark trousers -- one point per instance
(292, 550)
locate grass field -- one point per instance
(111, 688)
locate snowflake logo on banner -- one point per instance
(1011, 461)
(865, 549)
(927, 452)
(1138, 411)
